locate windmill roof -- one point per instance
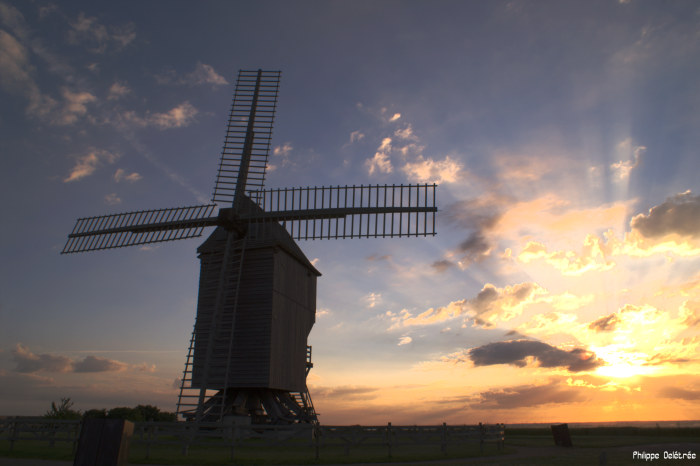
(260, 236)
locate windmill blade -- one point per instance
(141, 227)
(334, 212)
(247, 143)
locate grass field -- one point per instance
(614, 445)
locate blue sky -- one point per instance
(563, 136)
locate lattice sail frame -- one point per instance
(135, 228)
(339, 212)
(254, 105)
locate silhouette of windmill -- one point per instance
(248, 355)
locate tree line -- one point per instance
(140, 413)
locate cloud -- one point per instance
(28, 362)
(427, 170)
(97, 37)
(678, 215)
(344, 392)
(282, 151)
(474, 249)
(74, 106)
(395, 117)
(490, 306)
(521, 353)
(202, 74)
(689, 314)
(679, 393)
(406, 133)
(605, 323)
(117, 91)
(525, 396)
(205, 74)
(356, 136)
(98, 364)
(112, 199)
(177, 117)
(622, 169)
(442, 265)
(380, 163)
(404, 340)
(493, 305)
(15, 70)
(593, 257)
(121, 175)
(88, 163)
(372, 299)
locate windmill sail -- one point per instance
(335, 212)
(249, 129)
(141, 227)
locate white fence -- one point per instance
(316, 438)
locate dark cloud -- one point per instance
(515, 352)
(605, 324)
(525, 396)
(478, 215)
(680, 393)
(475, 248)
(475, 214)
(97, 364)
(678, 214)
(28, 362)
(442, 265)
(490, 298)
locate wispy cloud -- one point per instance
(121, 175)
(96, 37)
(177, 117)
(117, 91)
(202, 74)
(427, 170)
(380, 163)
(631, 157)
(88, 163)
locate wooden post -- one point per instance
(317, 438)
(388, 437)
(14, 433)
(443, 447)
(104, 442)
(481, 437)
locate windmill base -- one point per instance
(261, 405)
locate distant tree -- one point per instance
(148, 412)
(95, 414)
(153, 413)
(63, 410)
(130, 414)
(165, 416)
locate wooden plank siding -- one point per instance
(274, 314)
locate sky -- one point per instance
(563, 284)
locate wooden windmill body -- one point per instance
(248, 355)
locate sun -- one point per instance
(621, 364)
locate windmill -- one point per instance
(248, 355)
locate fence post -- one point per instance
(76, 436)
(481, 437)
(13, 433)
(443, 447)
(388, 437)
